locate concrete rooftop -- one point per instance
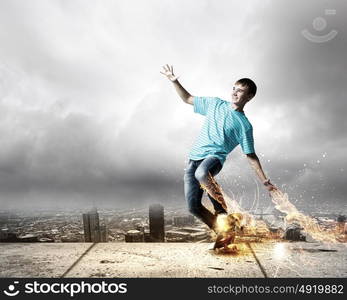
(270, 259)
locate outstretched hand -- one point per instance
(168, 72)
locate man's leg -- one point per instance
(208, 168)
(214, 170)
(218, 208)
(193, 194)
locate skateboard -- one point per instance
(227, 231)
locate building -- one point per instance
(134, 236)
(178, 236)
(341, 221)
(183, 221)
(147, 236)
(3, 233)
(8, 237)
(91, 226)
(156, 223)
(28, 238)
(186, 234)
(103, 234)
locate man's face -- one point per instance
(240, 94)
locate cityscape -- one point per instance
(134, 225)
(152, 224)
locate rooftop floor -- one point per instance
(270, 259)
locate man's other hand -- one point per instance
(269, 186)
(168, 72)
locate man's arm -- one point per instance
(181, 91)
(255, 163)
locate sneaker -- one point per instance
(220, 212)
(219, 243)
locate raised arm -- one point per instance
(181, 91)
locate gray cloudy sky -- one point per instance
(86, 116)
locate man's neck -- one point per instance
(237, 107)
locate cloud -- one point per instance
(85, 114)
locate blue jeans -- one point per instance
(196, 174)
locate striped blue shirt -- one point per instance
(224, 128)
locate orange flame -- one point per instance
(309, 224)
(293, 215)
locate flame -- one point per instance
(309, 224)
(222, 223)
(235, 249)
(293, 215)
(252, 226)
(259, 228)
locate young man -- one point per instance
(225, 127)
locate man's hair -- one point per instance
(249, 83)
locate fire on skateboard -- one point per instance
(228, 226)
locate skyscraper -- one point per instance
(103, 234)
(156, 223)
(91, 226)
